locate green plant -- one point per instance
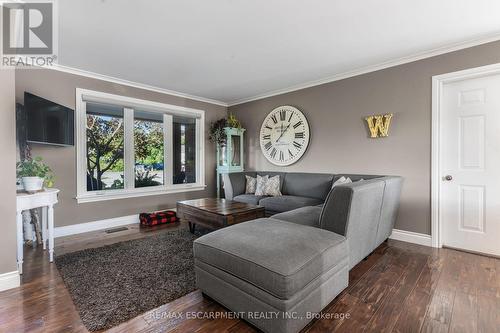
(143, 178)
(117, 183)
(35, 168)
(233, 122)
(148, 140)
(104, 148)
(217, 134)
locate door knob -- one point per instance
(448, 177)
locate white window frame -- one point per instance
(129, 104)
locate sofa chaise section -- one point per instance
(273, 266)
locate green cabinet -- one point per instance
(230, 157)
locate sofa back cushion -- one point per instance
(311, 185)
(235, 183)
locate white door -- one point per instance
(470, 165)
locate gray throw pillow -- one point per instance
(342, 180)
(250, 185)
(260, 188)
(272, 186)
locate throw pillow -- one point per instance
(272, 186)
(251, 185)
(342, 180)
(260, 188)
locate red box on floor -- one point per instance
(163, 217)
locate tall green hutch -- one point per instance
(230, 157)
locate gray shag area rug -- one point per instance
(112, 284)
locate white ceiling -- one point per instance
(233, 50)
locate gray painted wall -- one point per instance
(60, 88)
(339, 137)
(8, 172)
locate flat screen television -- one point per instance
(48, 122)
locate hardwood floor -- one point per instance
(400, 287)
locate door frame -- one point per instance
(438, 82)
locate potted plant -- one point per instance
(34, 174)
(217, 134)
(232, 121)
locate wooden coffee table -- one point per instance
(216, 213)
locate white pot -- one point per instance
(32, 184)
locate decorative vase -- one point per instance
(32, 184)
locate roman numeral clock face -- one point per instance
(284, 135)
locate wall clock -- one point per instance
(284, 135)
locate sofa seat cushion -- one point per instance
(308, 215)
(278, 257)
(249, 198)
(287, 202)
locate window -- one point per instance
(128, 147)
(184, 150)
(104, 147)
(149, 149)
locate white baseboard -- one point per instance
(411, 237)
(10, 280)
(401, 235)
(96, 225)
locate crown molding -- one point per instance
(309, 84)
(107, 78)
(373, 68)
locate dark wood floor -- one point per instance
(399, 288)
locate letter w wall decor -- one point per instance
(379, 125)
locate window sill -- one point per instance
(134, 193)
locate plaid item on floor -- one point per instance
(150, 219)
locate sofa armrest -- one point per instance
(390, 205)
(353, 210)
(234, 184)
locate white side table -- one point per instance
(46, 199)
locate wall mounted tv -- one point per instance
(48, 122)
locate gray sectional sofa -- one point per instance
(295, 262)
